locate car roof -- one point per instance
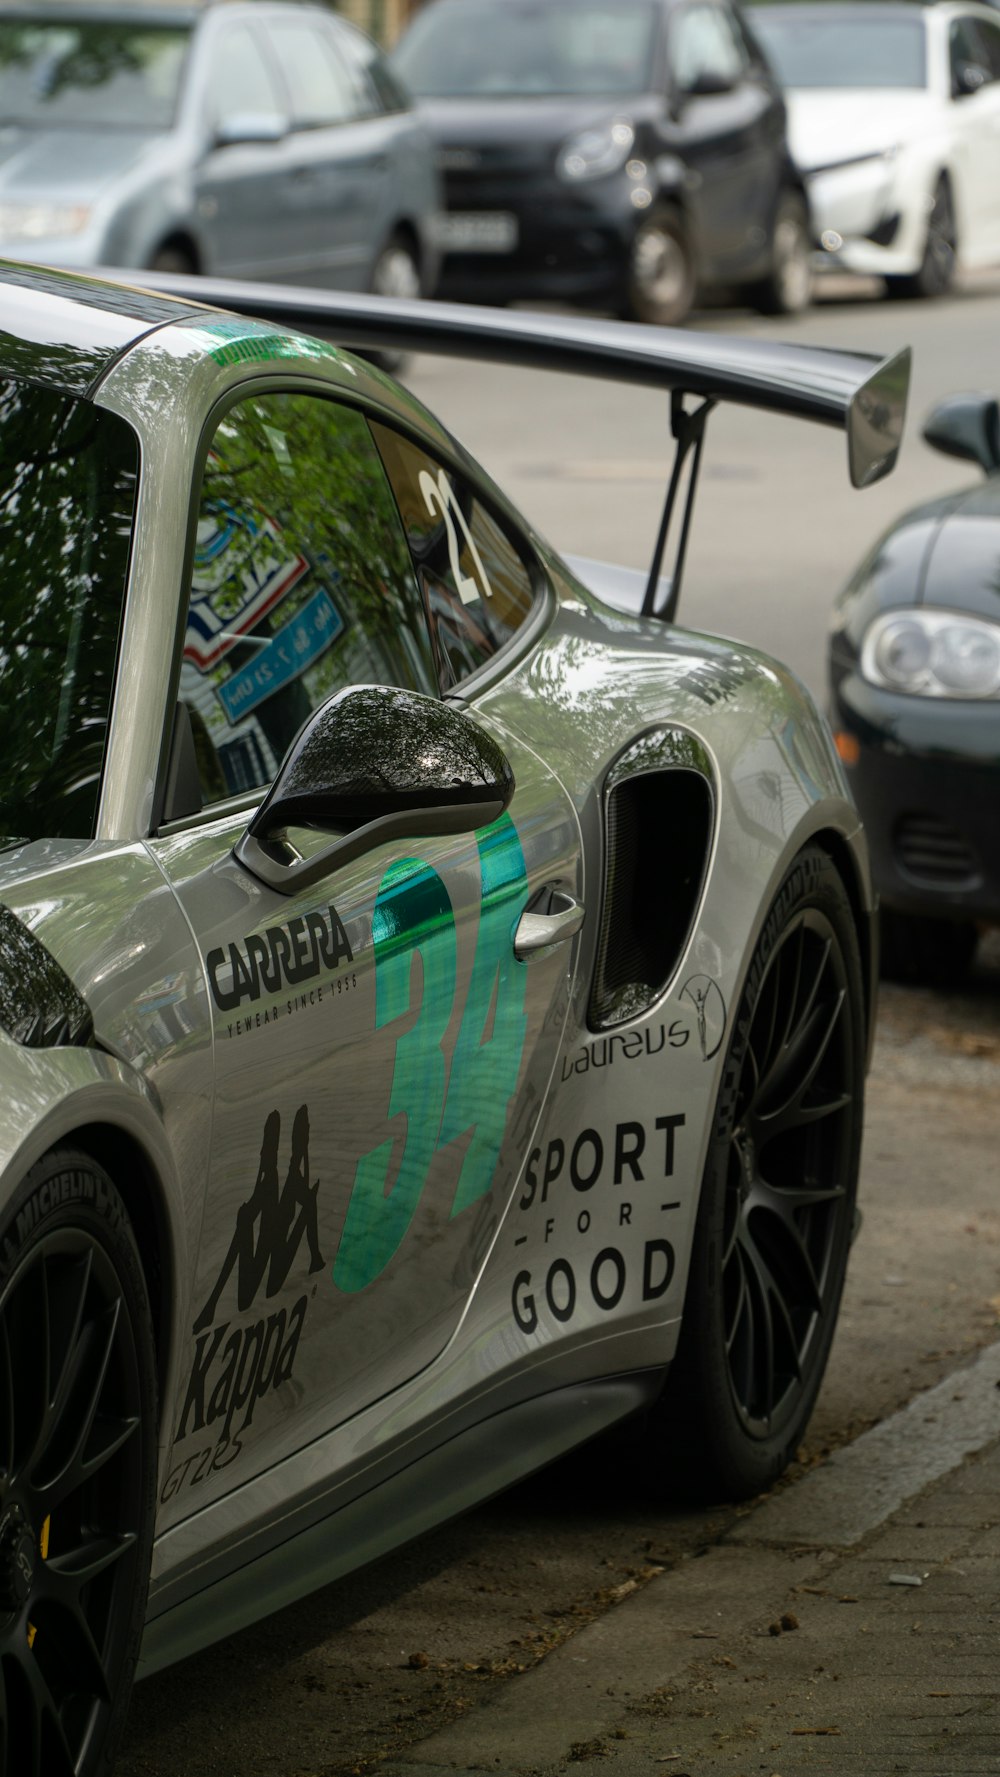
(65, 331)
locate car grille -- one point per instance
(516, 160)
(931, 851)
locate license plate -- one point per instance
(477, 231)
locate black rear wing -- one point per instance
(861, 393)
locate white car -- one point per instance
(894, 118)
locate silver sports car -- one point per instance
(434, 987)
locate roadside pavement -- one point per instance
(849, 1623)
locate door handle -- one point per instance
(554, 917)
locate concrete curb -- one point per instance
(863, 1484)
(579, 1694)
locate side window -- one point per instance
(989, 37)
(302, 584)
(241, 84)
(320, 86)
(376, 86)
(750, 50)
(704, 50)
(969, 58)
(68, 478)
(476, 587)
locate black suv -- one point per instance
(617, 152)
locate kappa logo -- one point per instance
(232, 1371)
(284, 1215)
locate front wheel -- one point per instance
(173, 259)
(661, 278)
(936, 270)
(787, 288)
(77, 1470)
(777, 1203)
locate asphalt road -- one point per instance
(364, 1669)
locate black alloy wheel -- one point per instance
(77, 1470)
(778, 1200)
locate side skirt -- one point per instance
(448, 1480)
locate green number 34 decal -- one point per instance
(414, 918)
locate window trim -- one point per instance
(289, 383)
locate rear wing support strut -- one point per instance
(688, 428)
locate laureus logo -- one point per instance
(705, 996)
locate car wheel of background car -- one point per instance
(919, 949)
(777, 1203)
(787, 289)
(661, 278)
(173, 259)
(396, 272)
(937, 268)
(78, 1442)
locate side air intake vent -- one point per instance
(658, 831)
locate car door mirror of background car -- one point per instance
(966, 79)
(967, 426)
(244, 128)
(709, 83)
(374, 764)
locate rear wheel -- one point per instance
(77, 1470)
(777, 1204)
(937, 267)
(173, 259)
(787, 288)
(661, 280)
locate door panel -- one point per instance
(338, 194)
(379, 1052)
(380, 1057)
(730, 139)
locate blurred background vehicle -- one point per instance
(894, 118)
(608, 152)
(263, 140)
(915, 683)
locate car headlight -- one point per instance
(41, 222)
(933, 654)
(594, 152)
